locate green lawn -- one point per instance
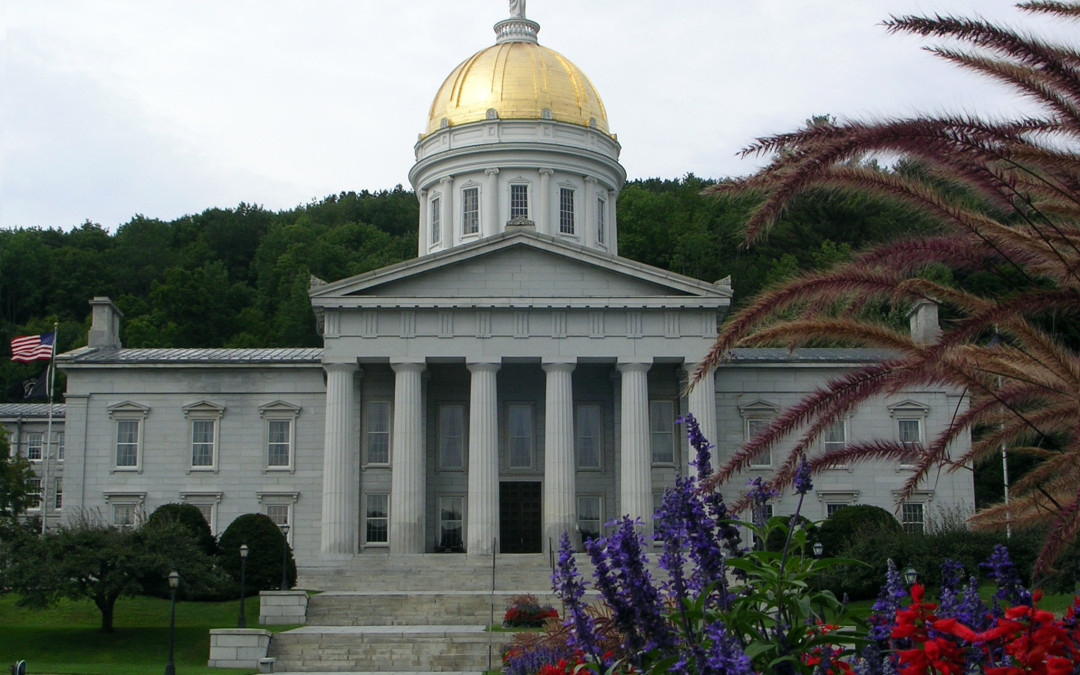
(66, 639)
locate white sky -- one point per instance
(111, 108)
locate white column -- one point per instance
(490, 223)
(446, 217)
(339, 486)
(613, 225)
(483, 507)
(702, 403)
(635, 490)
(424, 241)
(543, 203)
(588, 228)
(407, 478)
(559, 506)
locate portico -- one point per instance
(549, 386)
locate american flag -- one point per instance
(33, 347)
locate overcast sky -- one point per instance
(111, 108)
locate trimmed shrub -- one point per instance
(524, 611)
(189, 516)
(851, 523)
(265, 543)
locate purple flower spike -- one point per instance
(802, 477)
(1001, 569)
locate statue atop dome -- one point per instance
(517, 9)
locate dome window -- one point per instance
(566, 211)
(519, 203)
(436, 222)
(470, 210)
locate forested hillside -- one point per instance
(239, 277)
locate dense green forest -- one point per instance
(239, 277)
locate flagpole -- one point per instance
(48, 434)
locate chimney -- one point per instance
(923, 317)
(105, 324)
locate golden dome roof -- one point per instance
(519, 80)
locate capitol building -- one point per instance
(514, 381)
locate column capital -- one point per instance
(493, 171)
(446, 179)
(559, 366)
(546, 172)
(342, 367)
(633, 367)
(401, 366)
(483, 366)
(591, 180)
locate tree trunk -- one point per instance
(106, 605)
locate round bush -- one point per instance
(189, 517)
(850, 522)
(265, 542)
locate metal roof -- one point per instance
(35, 410)
(809, 355)
(273, 355)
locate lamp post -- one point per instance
(174, 581)
(819, 548)
(911, 577)
(285, 556)
(242, 621)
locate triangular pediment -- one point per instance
(519, 266)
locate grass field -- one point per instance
(66, 639)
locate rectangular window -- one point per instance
(588, 435)
(207, 511)
(519, 201)
(34, 446)
(520, 435)
(470, 210)
(279, 443)
(451, 436)
(202, 443)
(436, 221)
(279, 513)
(377, 519)
(127, 443)
(601, 221)
(662, 430)
(566, 211)
(589, 517)
(58, 493)
(33, 498)
(912, 517)
(832, 508)
(909, 432)
(124, 515)
(59, 439)
(835, 436)
(451, 523)
(377, 435)
(754, 427)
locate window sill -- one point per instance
(278, 469)
(126, 469)
(203, 469)
(375, 465)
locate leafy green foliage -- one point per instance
(266, 551)
(88, 559)
(16, 491)
(854, 522)
(190, 518)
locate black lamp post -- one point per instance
(174, 581)
(911, 577)
(242, 621)
(285, 557)
(818, 549)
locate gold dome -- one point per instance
(519, 80)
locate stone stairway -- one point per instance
(421, 613)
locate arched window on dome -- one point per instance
(566, 210)
(436, 222)
(470, 210)
(601, 221)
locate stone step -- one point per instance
(386, 649)
(430, 572)
(336, 608)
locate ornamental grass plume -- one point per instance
(1005, 196)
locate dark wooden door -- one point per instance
(519, 517)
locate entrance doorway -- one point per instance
(519, 517)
